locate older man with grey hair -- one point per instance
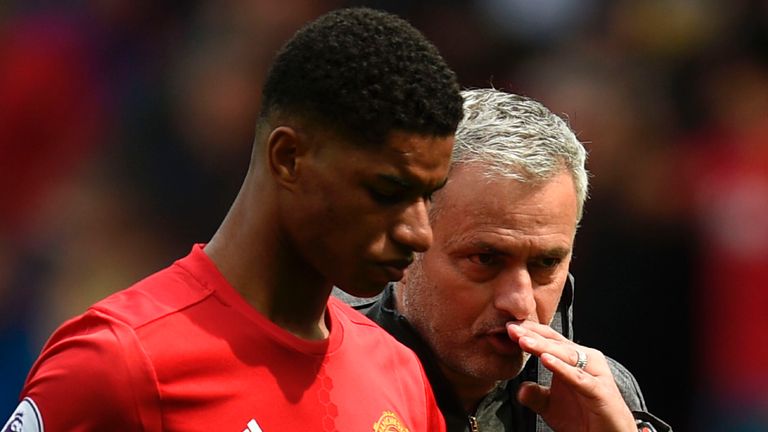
(488, 307)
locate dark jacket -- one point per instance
(499, 411)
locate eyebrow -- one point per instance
(405, 184)
(554, 252)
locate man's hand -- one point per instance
(579, 399)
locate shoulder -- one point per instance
(389, 363)
(94, 372)
(163, 293)
(91, 375)
(365, 333)
(352, 316)
(627, 384)
(633, 396)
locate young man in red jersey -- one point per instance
(355, 134)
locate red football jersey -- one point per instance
(183, 351)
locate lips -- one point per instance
(399, 263)
(500, 341)
(395, 269)
(394, 272)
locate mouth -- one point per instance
(395, 269)
(400, 263)
(501, 342)
(394, 272)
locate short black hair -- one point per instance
(364, 73)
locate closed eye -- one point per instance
(385, 198)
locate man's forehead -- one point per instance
(414, 144)
(409, 159)
(475, 185)
(499, 237)
(480, 216)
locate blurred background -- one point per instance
(126, 126)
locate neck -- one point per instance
(258, 260)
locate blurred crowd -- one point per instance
(126, 126)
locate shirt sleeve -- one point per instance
(92, 375)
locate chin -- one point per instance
(364, 290)
(362, 294)
(488, 371)
(507, 368)
(506, 373)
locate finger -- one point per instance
(579, 380)
(539, 329)
(534, 342)
(537, 344)
(565, 350)
(595, 397)
(533, 396)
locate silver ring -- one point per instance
(581, 362)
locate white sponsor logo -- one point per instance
(26, 418)
(252, 427)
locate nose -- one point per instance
(413, 229)
(514, 293)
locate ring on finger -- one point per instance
(581, 361)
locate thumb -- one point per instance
(533, 396)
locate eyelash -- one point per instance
(547, 263)
(493, 259)
(383, 198)
(393, 198)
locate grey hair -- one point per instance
(517, 137)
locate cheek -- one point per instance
(458, 302)
(344, 223)
(367, 235)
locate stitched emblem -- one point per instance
(389, 422)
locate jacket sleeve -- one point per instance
(633, 396)
(91, 376)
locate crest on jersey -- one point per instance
(389, 422)
(26, 418)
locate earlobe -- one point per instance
(284, 149)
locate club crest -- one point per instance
(389, 422)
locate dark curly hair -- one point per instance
(364, 73)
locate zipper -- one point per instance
(473, 427)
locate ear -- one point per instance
(285, 147)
